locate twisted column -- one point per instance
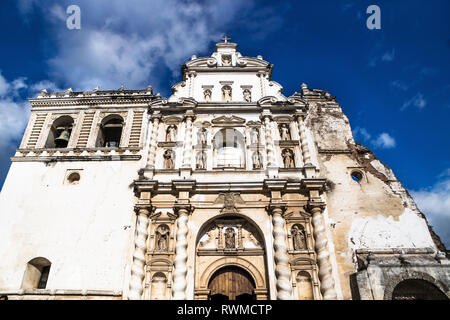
(180, 260)
(282, 268)
(140, 248)
(304, 141)
(323, 255)
(153, 143)
(187, 152)
(269, 142)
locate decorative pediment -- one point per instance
(172, 120)
(268, 101)
(296, 100)
(254, 123)
(223, 120)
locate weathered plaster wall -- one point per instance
(85, 229)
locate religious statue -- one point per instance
(168, 159)
(171, 133)
(256, 158)
(201, 136)
(230, 239)
(162, 238)
(298, 236)
(201, 160)
(226, 93)
(254, 135)
(288, 158)
(284, 132)
(207, 94)
(226, 60)
(247, 95)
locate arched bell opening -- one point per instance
(60, 132)
(110, 132)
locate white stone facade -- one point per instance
(164, 198)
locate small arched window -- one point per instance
(60, 131)
(110, 132)
(229, 149)
(36, 274)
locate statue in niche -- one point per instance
(226, 60)
(201, 136)
(162, 238)
(171, 133)
(230, 238)
(201, 160)
(247, 95)
(256, 158)
(288, 158)
(207, 94)
(226, 93)
(168, 159)
(298, 236)
(254, 135)
(284, 132)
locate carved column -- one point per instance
(153, 142)
(187, 151)
(180, 260)
(282, 268)
(303, 140)
(323, 255)
(140, 248)
(269, 141)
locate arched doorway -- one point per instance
(231, 283)
(417, 289)
(230, 260)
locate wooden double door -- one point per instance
(231, 283)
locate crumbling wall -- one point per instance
(375, 212)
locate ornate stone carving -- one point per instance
(140, 247)
(226, 60)
(171, 133)
(168, 159)
(323, 255)
(284, 132)
(162, 238)
(247, 95)
(288, 158)
(254, 136)
(256, 158)
(201, 160)
(226, 93)
(298, 237)
(282, 269)
(230, 238)
(180, 260)
(229, 201)
(207, 95)
(202, 136)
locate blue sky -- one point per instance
(392, 83)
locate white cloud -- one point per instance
(388, 56)
(399, 85)
(382, 141)
(417, 101)
(434, 202)
(13, 111)
(130, 42)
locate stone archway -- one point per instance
(415, 285)
(231, 283)
(231, 247)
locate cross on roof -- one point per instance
(225, 38)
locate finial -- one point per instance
(225, 39)
(121, 88)
(304, 86)
(69, 90)
(96, 89)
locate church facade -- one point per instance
(225, 190)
